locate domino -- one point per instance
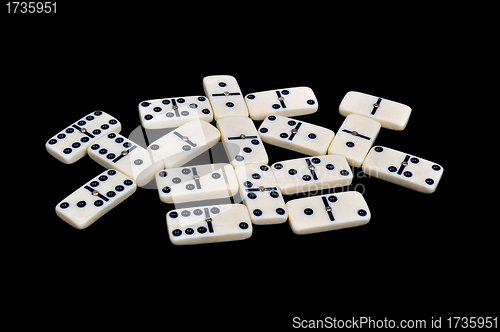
(95, 198)
(355, 138)
(296, 135)
(184, 143)
(286, 102)
(312, 174)
(174, 112)
(390, 114)
(118, 152)
(327, 212)
(208, 224)
(403, 169)
(71, 144)
(261, 194)
(241, 141)
(225, 96)
(193, 183)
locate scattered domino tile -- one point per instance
(225, 96)
(355, 138)
(296, 135)
(261, 194)
(118, 152)
(327, 212)
(403, 169)
(193, 183)
(312, 174)
(390, 114)
(184, 143)
(286, 102)
(71, 144)
(174, 112)
(207, 224)
(95, 198)
(241, 141)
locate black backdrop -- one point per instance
(408, 262)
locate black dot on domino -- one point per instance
(257, 212)
(280, 211)
(243, 225)
(362, 212)
(308, 211)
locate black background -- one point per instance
(420, 256)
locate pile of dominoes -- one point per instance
(261, 186)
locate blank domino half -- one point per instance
(390, 114)
(261, 194)
(206, 224)
(403, 169)
(194, 183)
(327, 212)
(118, 152)
(184, 143)
(174, 112)
(95, 198)
(71, 144)
(355, 138)
(225, 96)
(286, 102)
(241, 141)
(312, 173)
(296, 135)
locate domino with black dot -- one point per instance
(327, 212)
(174, 112)
(225, 96)
(71, 144)
(208, 224)
(261, 194)
(118, 152)
(195, 183)
(185, 143)
(403, 169)
(296, 135)
(95, 198)
(355, 138)
(241, 141)
(312, 173)
(286, 102)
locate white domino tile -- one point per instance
(327, 212)
(286, 102)
(261, 194)
(225, 96)
(355, 138)
(174, 112)
(296, 135)
(185, 143)
(95, 198)
(312, 173)
(403, 169)
(71, 143)
(118, 152)
(390, 114)
(194, 183)
(241, 141)
(207, 224)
